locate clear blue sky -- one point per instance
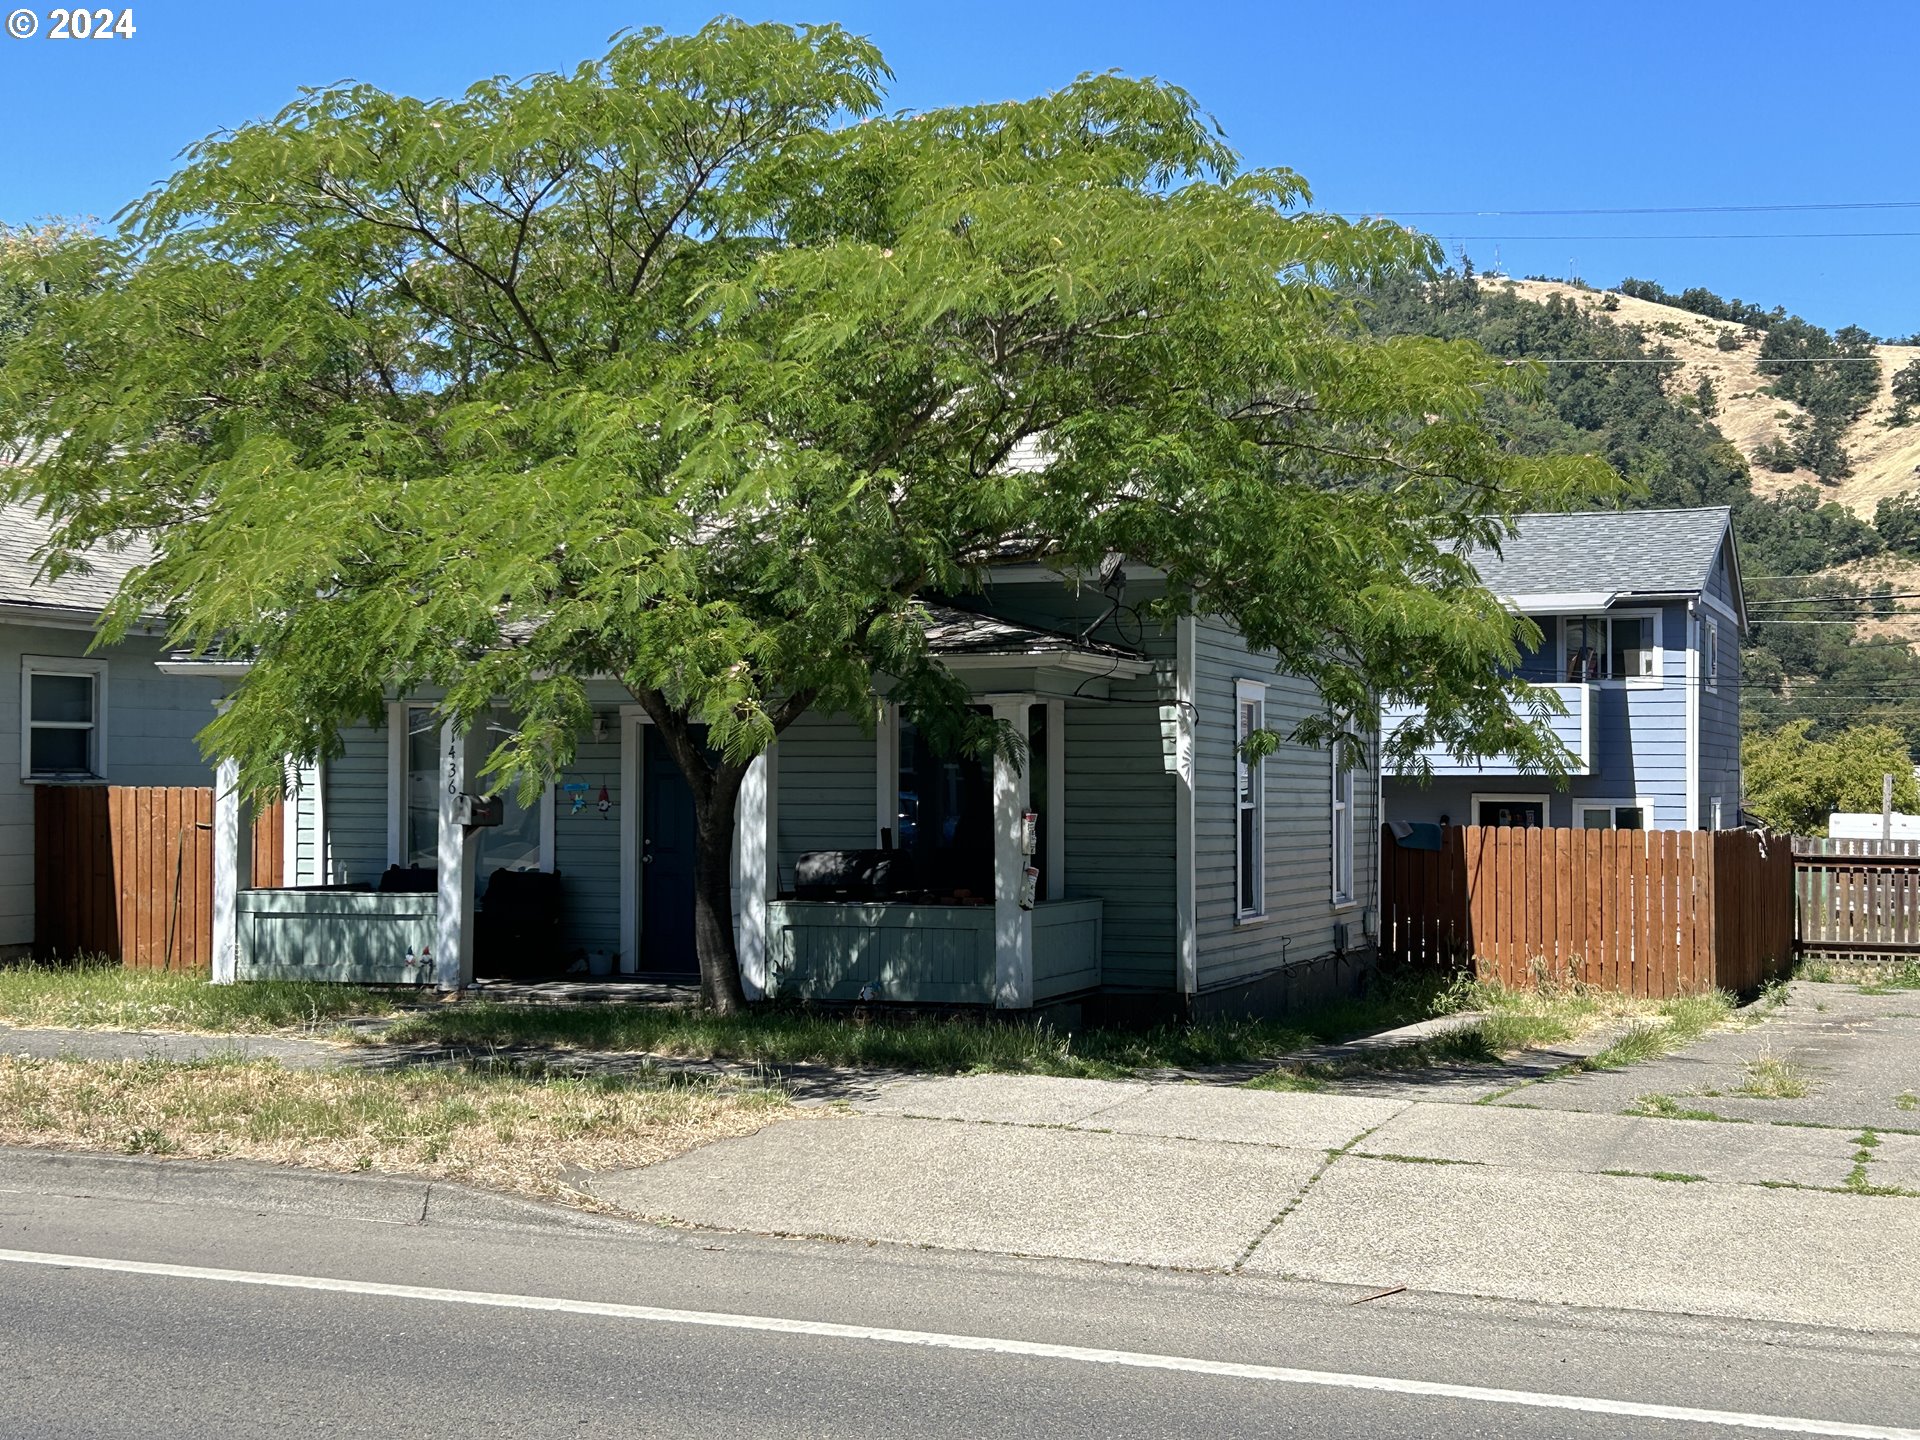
(1386, 107)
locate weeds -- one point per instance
(1771, 1078)
(1665, 1107)
(494, 1128)
(101, 995)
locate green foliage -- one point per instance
(666, 370)
(1706, 397)
(1701, 301)
(1897, 518)
(1832, 377)
(1906, 393)
(1799, 532)
(1794, 782)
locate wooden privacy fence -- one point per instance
(1648, 912)
(127, 872)
(1857, 899)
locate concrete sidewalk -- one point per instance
(1546, 1195)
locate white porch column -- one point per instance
(232, 868)
(458, 852)
(752, 842)
(1012, 926)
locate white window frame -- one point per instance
(1545, 802)
(1343, 839)
(1249, 794)
(1710, 652)
(1654, 681)
(94, 670)
(1582, 804)
(397, 730)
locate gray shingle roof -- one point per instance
(953, 631)
(1625, 552)
(24, 535)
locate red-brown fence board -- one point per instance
(1857, 898)
(1654, 913)
(127, 872)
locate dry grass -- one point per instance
(517, 1132)
(103, 996)
(1768, 1077)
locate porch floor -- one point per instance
(602, 990)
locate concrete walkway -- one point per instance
(1547, 1194)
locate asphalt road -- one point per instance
(511, 1325)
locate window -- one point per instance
(1710, 648)
(1519, 811)
(945, 816)
(1613, 647)
(63, 704)
(513, 844)
(1250, 832)
(1342, 829)
(1612, 814)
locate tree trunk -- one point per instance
(716, 811)
(715, 815)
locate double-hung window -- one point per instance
(1250, 791)
(1342, 829)
(63, 708)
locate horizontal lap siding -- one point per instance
(1120, 838)
(153, 726)
(827, 798)
(1720, 711)
(356, 806)
(586, 846)
(1300, 914)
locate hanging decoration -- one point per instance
(606, 800)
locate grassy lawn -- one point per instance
(508, 1131)
(1512, 1021)
(1871, 977)
(950, 1044)
(106, 997)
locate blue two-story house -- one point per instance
(1640, 614)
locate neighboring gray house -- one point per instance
(69, 716)
(1641, 614)
(1165, 873)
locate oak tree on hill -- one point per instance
(693, 367)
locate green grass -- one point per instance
(1872, 977)
(105, 996)
(1675, 1022)
(1677, 1177)
(1770, 1078)
(1665, 1107)
(951, 1044)
(1907, 1100)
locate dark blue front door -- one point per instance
(666, 865)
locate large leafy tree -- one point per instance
(693, 368)
(1794, 782)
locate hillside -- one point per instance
(1886, 460)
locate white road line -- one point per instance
(934, 1340)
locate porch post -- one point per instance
(232, 868)
(750, 846)
(458, 852)
(1012, 926)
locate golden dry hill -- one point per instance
(1886, 459)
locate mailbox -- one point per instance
(478, 811)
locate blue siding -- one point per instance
(586, 846)
(1720, 707)
(356, 807)
(828, 791)
(1640, 751)
(153, 723)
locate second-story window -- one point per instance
(1710, 646)
(1611, 647)
(1250, 841)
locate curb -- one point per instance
(271, 1189)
